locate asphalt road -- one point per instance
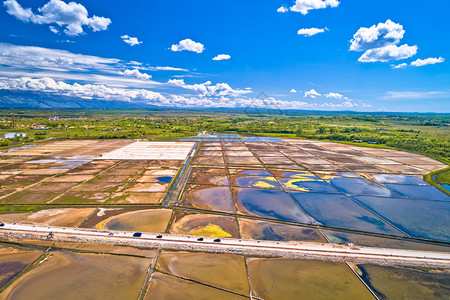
(229, 245)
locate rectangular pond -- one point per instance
(262, 230)
(280, 278)
(340, 237)
(307, 185)
(419, 191)
(340, 211)
(360, 186)
(269, 204)
(397, 282)
(418, 218)
(399, 179)
(209, 198)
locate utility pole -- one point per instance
(13, 121)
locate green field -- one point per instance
(427, 134)
(443, 177)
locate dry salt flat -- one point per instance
(151, 151)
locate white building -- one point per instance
(13, 135)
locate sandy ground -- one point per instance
(57, 217)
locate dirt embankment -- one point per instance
(213, 248)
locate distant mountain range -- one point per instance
(28, 99)
(41, 100)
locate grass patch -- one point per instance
(18, 209)
(432, 178)
(443, 176)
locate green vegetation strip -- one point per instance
(439, 177)
(442, 176)
(427, 134)
(9, 209)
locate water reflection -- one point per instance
(269, 204)
(359, 186)
(418, 218)
(211, 198)
(419, 191)
(257, 182)
(303, 185)
(340, 211)
(400, 179)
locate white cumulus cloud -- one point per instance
(70, 16)
(136, 74)
(387, 53)
(311, 31)
(427, 61)
(304, 6)
(399, 66)
(282, 9)
(53, 29)
(335, 96)
(165, 69)
(380, 43)
(311, 94)
(349, 104)
(188, 45)
(293, 91)
(387, 33)
(132, 41)
(210, 90)
(222, 57)
(420, 62)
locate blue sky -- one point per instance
(336, 55)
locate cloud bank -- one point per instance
(31, 61)
(60, 72)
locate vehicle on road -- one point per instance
(159, 236)
(137, 234)
(2, 224)
(200, 239)
(217, 240)
(111, 233)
